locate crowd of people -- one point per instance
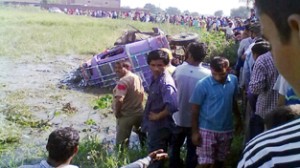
(189, 102)
(209, 23)
(198, 104)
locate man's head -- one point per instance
(238, 35)
(254, 30)
(246, 32)
(219, 68)
(260, 48)
(280, 20)
(280, 12)
(63, 144)
(196, 51)
(282, 115)
(158, 61)
(122, 67)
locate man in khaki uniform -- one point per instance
(128, 103)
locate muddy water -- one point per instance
(35, 83)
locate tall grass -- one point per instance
(92, 153)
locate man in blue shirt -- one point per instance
(213, 103)
(161, 104)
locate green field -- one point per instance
(28, 32)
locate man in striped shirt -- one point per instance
(279, 147)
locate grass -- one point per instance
(28, 31)
(94, 154)
(34, 32)
(104, 102)
(39, 32)
(17, 112)
(8, 137)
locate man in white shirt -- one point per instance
(186, 76)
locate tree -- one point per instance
(152, 8)
(173, 11)
(241, 12)
(159, 10)
(186, 12)
(195, 14)
(247, 2)
(219, 13)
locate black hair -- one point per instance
(259, 40)
(219, 63)
(124, 63)
(62, 143)
(282, 115)
(197, 51)
(247, 27)
(255, 28)
(158, 55)
(261, 48)
(279, 11)
(247, 21)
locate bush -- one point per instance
(218, 46)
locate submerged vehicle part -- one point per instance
(100, 69)
(183, 39)
(178, 44)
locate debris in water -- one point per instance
(69, 109)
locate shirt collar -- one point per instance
(214, 82)
(44, 164)
(128, 73)
(159, 77)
